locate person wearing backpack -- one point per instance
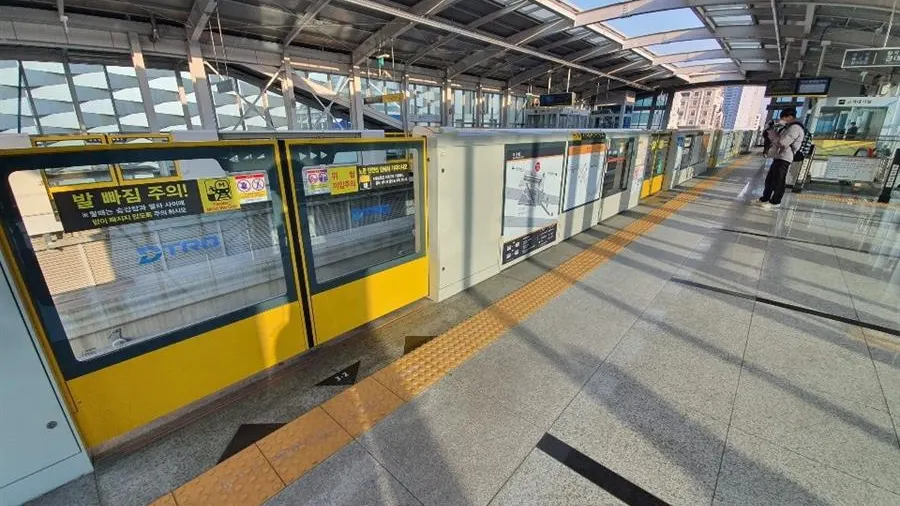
(785, 149)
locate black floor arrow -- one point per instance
(246, 435)
(413, 342)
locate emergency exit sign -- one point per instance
(872, 57)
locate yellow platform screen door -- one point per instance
(360, 205)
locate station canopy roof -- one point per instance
(589, 44)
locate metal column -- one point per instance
(479, 107)
(446, 104)
(404, 105)
(140, 71)
(506, 109)
(287, 93)
(202, 91)
(357, 119)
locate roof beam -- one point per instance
(518, 38)
(712, 67)
(443, 39)
(311, 12)
(718, 76)
(397, 27)
(581, 85)
(462, 31)
(691, 56)
(636, 8)
(667, 37)
(655, 73)
(543, 68)
(201, 10)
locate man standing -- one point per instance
(785, 142)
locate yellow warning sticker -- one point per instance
(219, 194)
(343, 179)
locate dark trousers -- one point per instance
(775, 182)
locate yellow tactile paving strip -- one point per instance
(853, 201)
(260, 471)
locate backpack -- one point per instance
(806, 145)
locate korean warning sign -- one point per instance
(219, 194)
(251, 187)
(119, 205)
(372, 177)
(315, 180)
(343, 179)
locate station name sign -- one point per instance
(872, 57)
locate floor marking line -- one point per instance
(803, 241)
(597, 473)
(792, 307)
(846, 200)
(413, 373)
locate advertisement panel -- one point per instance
(584, 171)
(532, 186)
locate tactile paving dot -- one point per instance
(361, 406)
(245, 479)
(302, 444)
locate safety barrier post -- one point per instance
(803, 173)
(890, 180)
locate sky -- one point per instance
(655, 22)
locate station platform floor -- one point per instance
(698, 349)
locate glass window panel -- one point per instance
(166, 96)
(94, 97)
(174, 272)
(618, 166)
(75, 174)
(366, 226)
(16, 115)
(127, 98)
(464, 108)
(52, 97)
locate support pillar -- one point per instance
(506, 109)
(202, 90)
(447, 104)
(287, 93)
(479, 107)
(140, 71)
(404, 105)
(357, 118)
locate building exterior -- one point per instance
(742, 107)
(698, 108)
(731, 105)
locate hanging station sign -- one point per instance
(803, 87)
(871, 57)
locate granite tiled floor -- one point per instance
(693, 365)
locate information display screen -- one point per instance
(798, 87)
(557, 99)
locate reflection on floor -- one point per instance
(729, 355)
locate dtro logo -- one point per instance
(151, 253)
